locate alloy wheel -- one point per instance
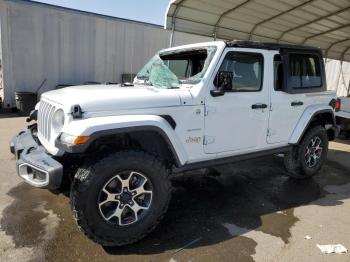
(313, 152)
(125, 198)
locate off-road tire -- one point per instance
(347, 134)
(88, 182)
(295, 160)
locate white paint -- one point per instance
(344, 111)
(232, 122)
(313, 106)
(229, 127)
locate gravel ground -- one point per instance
(251, 212)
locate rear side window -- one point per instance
(304, 71)
(247, 69)
(278, 72)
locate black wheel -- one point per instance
(121, 198)
(306, 159)
(347, 134)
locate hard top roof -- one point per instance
(270, 45)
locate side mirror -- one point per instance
(223, 83)
(217, 92)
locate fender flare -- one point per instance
(104, 126)
(306, 119)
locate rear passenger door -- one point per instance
(296, 78)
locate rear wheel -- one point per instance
(121, 198)
(347, 134)
(306, 159)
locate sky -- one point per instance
(150, 11)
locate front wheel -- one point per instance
(306, 159)
(121, 198)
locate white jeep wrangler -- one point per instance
(190, 107)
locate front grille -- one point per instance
(45, 115)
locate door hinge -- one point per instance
(271, 132)
(270, 107)
(208, 140)
(208, 109)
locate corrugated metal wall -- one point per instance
(62, 46)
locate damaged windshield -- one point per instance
(172, 68)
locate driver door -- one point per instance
(237, 120)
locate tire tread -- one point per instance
(84, 175)
(292, 160)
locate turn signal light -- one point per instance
(79, 140)
(337, 105)
(73, 140)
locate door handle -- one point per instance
(259, 106)
(297, 103)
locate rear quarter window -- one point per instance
(304, 71)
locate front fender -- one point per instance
(309, 113)
(101, 126)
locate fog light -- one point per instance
(39, 175)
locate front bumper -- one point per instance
(33, 163)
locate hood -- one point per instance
(94, 98)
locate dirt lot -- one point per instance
(251, 212)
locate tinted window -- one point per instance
(278, 72)
(246, 69)
(304, 71)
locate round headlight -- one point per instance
(58, 120)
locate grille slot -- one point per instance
(45, 115)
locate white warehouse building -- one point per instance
(43, 46)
